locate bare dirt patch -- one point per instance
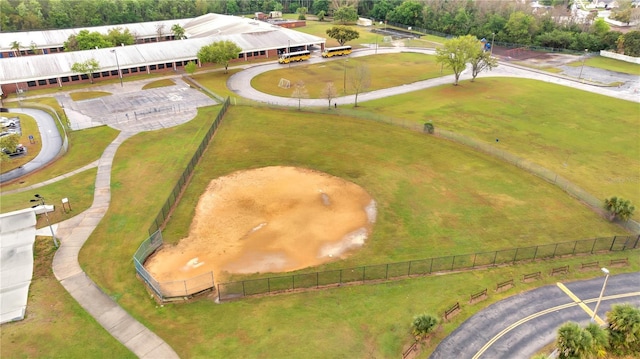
(272, 219)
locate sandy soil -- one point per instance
(272, 219)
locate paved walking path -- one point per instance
(75, 231)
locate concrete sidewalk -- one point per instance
(73, 233)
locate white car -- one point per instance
(6, 122)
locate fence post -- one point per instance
(219, 297)
(575, 244)
(495, 256)
(474, 260)
(535, 253)
(554, 251)
(268, 285)
(453, 260)
(515, 255)
(293, 282)
(613, 241)
(244, 294)
(317, 280)
(340, 276)
(409, 271)
(386, 274)
(593, 245)
(431, 266)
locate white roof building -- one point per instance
(250, 35)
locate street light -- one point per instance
(41, 200)
(604, 285)
(344, 79)
(118, 64)
(582, 68)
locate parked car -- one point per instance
(19, 150)
(7, 122)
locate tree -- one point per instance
(9, 142)
(178, 31)
(86, 40)
(456, 53)
(519, 29)
(423, 324)
(302, 12)
(345, 14)
(600, 27)
(34, 48)
(480, 61)
(632, 43)
(321, 15)
(409, 13)
(220, 52)
(574, 342)
(190, 67)
(360, 80)
(88, 68)
(117, 37)
(159, 31)
(624, 329)
(619, 207)
(300, 92)
(15, 46)
(342, 34)
(320, 5)
(329, 92)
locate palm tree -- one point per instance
(574, 342)
(619, 207)
(624, 329)
(15, 46)
(178, 31)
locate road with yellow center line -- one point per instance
(519, 326)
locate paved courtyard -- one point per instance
(133, 109)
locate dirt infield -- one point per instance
(271, 219)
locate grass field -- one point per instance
(434, 197)
(159, 83)
(579, 145)
(55, 326)
(388, 70)
(425, 190)
(87, 95)
(610, 64)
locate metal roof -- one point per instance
(57, 38)
(258, 37)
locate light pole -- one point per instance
(493, 37)
(41, 200)
(118, 64)
(604, 285)
(583, 59)
(289, 50)
(344, 78)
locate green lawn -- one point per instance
(87, 95)
(159, 83)
(28, 127)
(85, 146)
(387, 70)
(55, 325)
(594, 147)
(610, 64)
(434, 198)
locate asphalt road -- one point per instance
(519, 326)
(51, 144)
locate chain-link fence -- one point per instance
(390, 271)
(168, 290)
(168, 205)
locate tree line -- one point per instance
(504, 21)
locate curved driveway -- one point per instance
(240, 83)
(519, 326)
(51, 144)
